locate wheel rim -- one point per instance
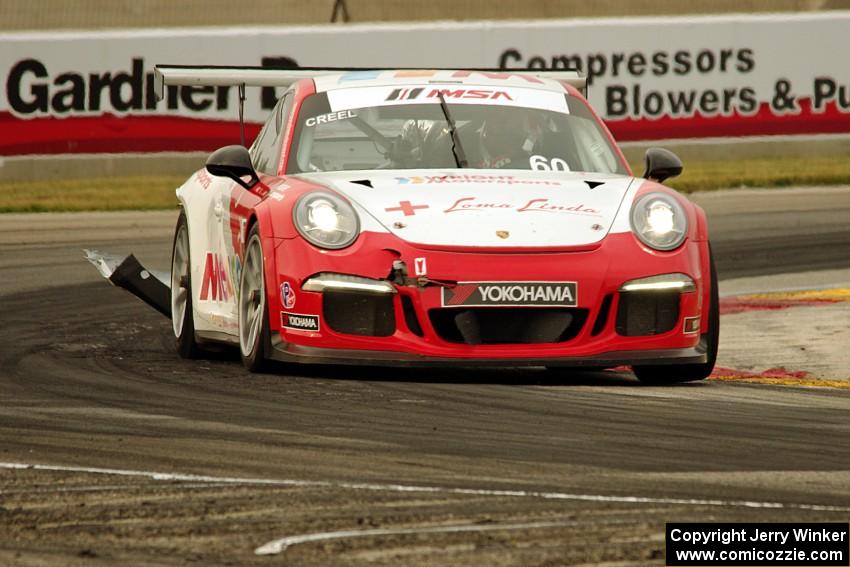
(180, 280)
(252, 298)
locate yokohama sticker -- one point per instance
(299, 322)
(503, 294)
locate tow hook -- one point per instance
(400, 276)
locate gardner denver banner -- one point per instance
(650, 78)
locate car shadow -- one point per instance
(620, 377)
(614, 378)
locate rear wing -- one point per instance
(241, 77)
(217, 75)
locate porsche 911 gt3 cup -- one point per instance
(455, 217)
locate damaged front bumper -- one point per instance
(127, 273)
(621, 305)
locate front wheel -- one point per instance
(253, 315)
(675, 373)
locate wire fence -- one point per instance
(98, 14)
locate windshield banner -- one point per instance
(344, 99)
(649, 78)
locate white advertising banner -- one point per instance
(649, 78)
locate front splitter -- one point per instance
(287, 352)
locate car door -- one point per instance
(213, 282)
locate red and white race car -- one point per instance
(439, 217)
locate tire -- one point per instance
(253, 310)
(675, 373)
(182, 318)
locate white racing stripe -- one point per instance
(280, 545)
(379, 487)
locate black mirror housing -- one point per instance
(233, 162)
(661, 164)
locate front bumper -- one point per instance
(288, 352)
(410, 335)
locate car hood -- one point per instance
(485, 208)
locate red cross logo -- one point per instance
(407, 208)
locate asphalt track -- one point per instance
(436, 467)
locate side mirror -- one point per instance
(233, 162)
(661, 164)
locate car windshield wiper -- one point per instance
(457, 148)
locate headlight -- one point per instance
(659, 221)
(326, 220)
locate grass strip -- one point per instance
(759, 172)
(157, 191)
(94, 194)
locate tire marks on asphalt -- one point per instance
(405, 488)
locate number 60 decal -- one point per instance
(541, 163)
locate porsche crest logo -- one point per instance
(502, 234)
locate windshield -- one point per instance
(406, 128)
